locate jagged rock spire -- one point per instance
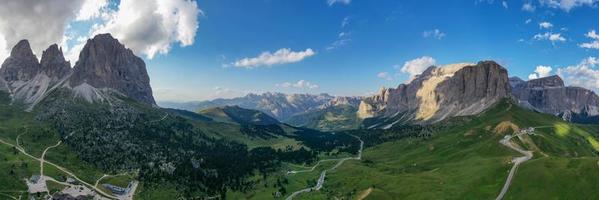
(54, 64)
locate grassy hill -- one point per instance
(465, 160)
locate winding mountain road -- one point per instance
(323, 174)
(517, 161)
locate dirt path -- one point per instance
(364, 194)
(323, 174)
(44, 154)
(517, 161)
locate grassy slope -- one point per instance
(34, 137)
(467, 162)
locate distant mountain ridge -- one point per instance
(278, 105)
(550, 95)
(236, 114)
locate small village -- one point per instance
(38, 189)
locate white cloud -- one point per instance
(540, 72)
(342, 39)
(223, 92)
(594, 43)
(583, 74)
(4, 53)
(91, 9)
(384, 75)
(529, 7)
(281, 56)
(301, 84)
(150, 27)
(41, 22)
(532, 76)
(545, 25)
(435, 33)
(528, 21)
(417, 66)
(345, 2)
(504, 4)
(592, 34)
(553, 37)
(345, 22)
(567, 5)
(590, 45)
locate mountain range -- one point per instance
(436, 94)
(104, 66)
(103, 112)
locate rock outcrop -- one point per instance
(550, 95)
(439, 92)
(54, 65)
(106, 63)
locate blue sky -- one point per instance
(382, 36)
(212, 48)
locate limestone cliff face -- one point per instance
(441, 92)
(550, 95)
(106, 63)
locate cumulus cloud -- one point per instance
(91, 9)
(384, 75)
(567, 5)
(417, 66)
(301, 84)
(435, 33)
(281, 56)
(147, 27)
(41, 22)
(528, 21)
(553, 37)
(344, 2)
(150, 27)
(545, 25)
(529, 7)
(504, 4)
(540, 72)
(583, 74)
(594, 43)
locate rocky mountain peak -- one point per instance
(441, 92)
(550, 95)
(21, 65)
(54, 64)
(106, 63)
(549, 81)
(514, 81)
(22, 51)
